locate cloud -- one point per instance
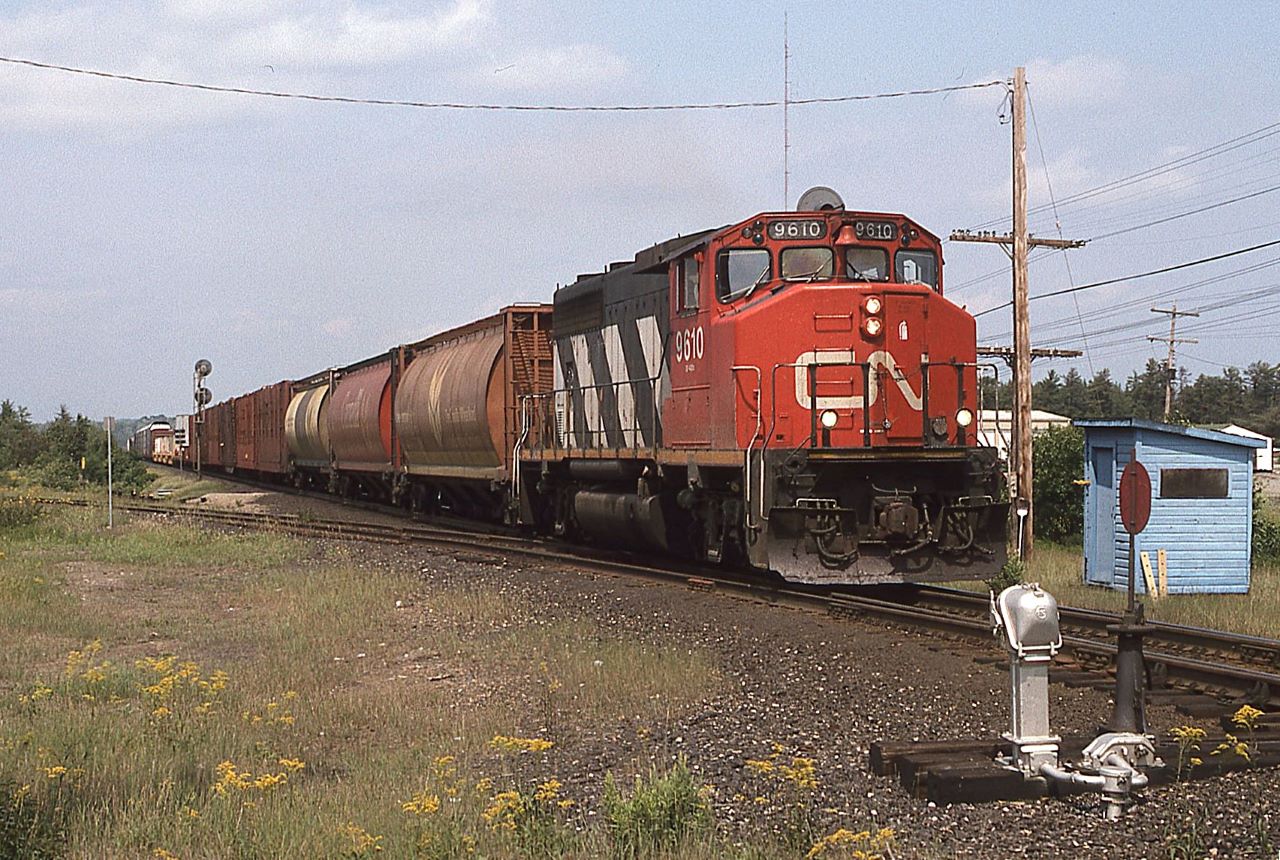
(339, 327)
(356, 37)
(1082, 78)
(332, 46)
(1076, 79)
(578, 66)
(1067, 172)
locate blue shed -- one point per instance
(1201, 504)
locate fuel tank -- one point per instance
(359, 419)
(306, 426)
(449, 405)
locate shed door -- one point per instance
(1100, 570)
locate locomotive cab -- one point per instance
(820, 346)
(792, 392)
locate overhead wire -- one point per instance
(483, 106)
(1217, 149)
(1057, 223)
(1134, 277)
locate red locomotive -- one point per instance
(792, 392)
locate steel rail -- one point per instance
(952, 612)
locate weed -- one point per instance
(1188, 738)
(664, 812)
(26, 831)
(1013, 573)
(17, 511)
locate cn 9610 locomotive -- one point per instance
(792, 392)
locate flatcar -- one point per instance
(791, 392)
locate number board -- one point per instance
(798, 228)
(878, 231)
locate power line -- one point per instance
(1112, 309)
(1057, 223)
(442, 105)
(1158, 170)
(1173, 268)
(1217, 205)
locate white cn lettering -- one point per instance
(875, 361)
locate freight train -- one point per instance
(154, 441)
(792, 392)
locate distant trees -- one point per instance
(1249, 397)
(52, 455)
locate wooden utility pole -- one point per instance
(1017, 244)
(1173, 340)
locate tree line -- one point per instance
(62, 454)
(1248, 397)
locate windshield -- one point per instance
(807, 264)
(917, 267)
(739, 271)
(867, 264)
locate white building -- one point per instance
(1263, 459)
(995, 427)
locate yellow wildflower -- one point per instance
(548, 791)
(54, 772)
(513, 744)
(1246, 717)
(506, 807)
(483, 785)
(292, 764)
(362, 841)
(422, 803)
(161, 854)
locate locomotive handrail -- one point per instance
(596, 429)
(746, 482)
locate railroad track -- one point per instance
(1227, 667)
(1218, 663)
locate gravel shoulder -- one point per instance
(823, 688)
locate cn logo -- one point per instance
(876, 361)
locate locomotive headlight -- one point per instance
(872, 326)
(964, 417)
(872, 305)
(828, 418)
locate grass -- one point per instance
(168, 691)
(1060, 570)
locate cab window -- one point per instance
(807, 264)
(917, 267)
(740, 272)
(867, 264)
(687, 284)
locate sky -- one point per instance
(143, 227)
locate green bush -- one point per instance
(662, 813)
(1266, 530)
(18, 512)
(1058, 460)
(24, 833)
(1014, 572)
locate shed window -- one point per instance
(1193, 483)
